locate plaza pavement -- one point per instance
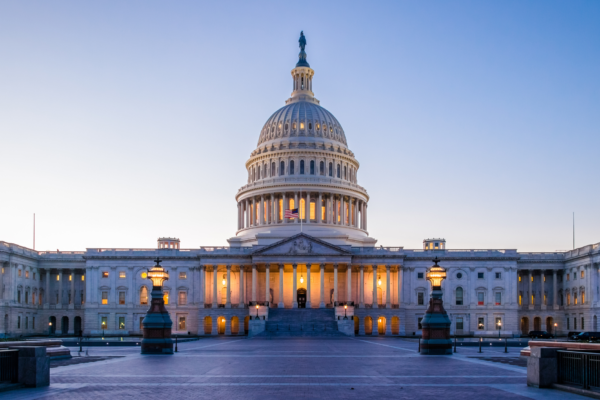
(290, 368)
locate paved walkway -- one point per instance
(359, 368)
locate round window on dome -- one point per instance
(458, 276)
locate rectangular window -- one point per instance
(480, 298)
(480, 275)
(519, 278)
(420, 298)
(33, 323)
(182, 298)
(166, 298)
(533, 299)
(27, 274)
(574, 275)
(582, 324)
(480, 323)
(419, 275)
(83, 277)
(498, 275)
(544, 278)
(70, 278)
(280, 209)
(419, 323)
(582, 276)
(121, 323)
(322, 213)
(498, 323)
(520, 299)
(568, 327)
(34, 276)
(313, 214)
(27, 322)
(105, 274)
(20, 276)
(574, 323)
(182, 323)
(104, 297)
(121, 297)
(103, 322)
(498, 298)
(122, 275)
(183, 275)
(19, 322)
(58, 277)
(18, 296)
(459, 324)
(568, 277)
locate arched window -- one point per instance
(309, 125)
(301, 167)
(281, 168)
(459, 296)
(345, 173)
(258, 173)
(292, 167)
(339, 171)
(272, 169)
(322, 168)
(330, 169)
(312, 167)
(144, 295)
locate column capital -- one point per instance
(280, 265)
(253, 265)
(335, 266)
(322, 266)
(267, 265)
(387, 266)
(228, 266)
(294, 265)
(361, 266)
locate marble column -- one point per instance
(319, 208)
(274, 208)
(530, 289)
(366, 222)
(361, 299)
(343, 211)
(254, 283)
(294, 288)
(228, 303)
(542, 276)
(247, 214)
(239, 215)
(267, 286)
(47, 292)
(335, 284)
(308, 291)
(349, 283)
(307, 208)
(375, 303)
(242, 300)
(297, 220)
(554, 291)
(253, 216)
(261, 210)
(60, 281)
(280, 304)
(215, 301)
(399, 283)
(285, 204)
(202, 285)
(322, 288)
(388, 303)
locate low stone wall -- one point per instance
(54, 348)
(346, 326)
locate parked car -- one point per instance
(573, 335)
(588, 337)
(540, 335)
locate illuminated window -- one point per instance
(58, 277)
(181, 323)
(70, 278)
(280, 209)
(583, 298)
(182, 298)
(121, 322)
(531, 278)
(338, 208)
(103, 322)
(104, 297)
(519, 278)
(545, 300)
(533, 299)
(26, 274)
(568, 299)
(302, 208)
(459, 296)
(19, 273)
(480, 299)
(83, 277)
(144, 295)
(582, 275)
(480, 323)
(121, 297)
(301, 125)
(312, 210)
(291, 204)
(105, 274)
(166, 298)
(322, 213)
(294, 125)
(122, 275)
(575, 298)
(183, 275)
(498, 298)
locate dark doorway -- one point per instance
(301, 298)
(64, 328)
(77, 326)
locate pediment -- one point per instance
(302, 244)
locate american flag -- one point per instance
(291, 213)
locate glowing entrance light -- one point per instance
(301, 279)
(379, 281)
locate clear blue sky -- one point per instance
(476, 121)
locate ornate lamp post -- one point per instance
(499, 327)
(435, 323)
(345, 308)
(157, 323)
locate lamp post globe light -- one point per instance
(435, 323)
(499, 327)
(157, 324)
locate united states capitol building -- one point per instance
(325, 260)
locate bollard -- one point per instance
(506, 345)
(80, 344)
(455, 344)
(480, 344)
(175, 343)
(419, 345)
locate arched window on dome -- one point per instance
(281, 168)
(309, 126)
(339, 171)
(345, 172)
(301, 167)
(330, 169)
(258, 172)
(272, 169)
(312, 167)
(292, 167)
(322, 168)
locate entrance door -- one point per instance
(301, 298)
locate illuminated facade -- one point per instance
(302, 161)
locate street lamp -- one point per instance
(49, 328)
(345, 308)
(436, 324)
(499, 327)
(257, 311)
(157, 324)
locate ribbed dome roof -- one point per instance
(302, 119)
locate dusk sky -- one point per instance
(475, 121)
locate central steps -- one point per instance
(301, 322)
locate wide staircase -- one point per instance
(301, 322)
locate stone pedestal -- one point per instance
(542, 367)
(346, 326)
(157, 326)
(436, 327)
(256, 326)
(34, 366)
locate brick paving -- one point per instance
(291, 368)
